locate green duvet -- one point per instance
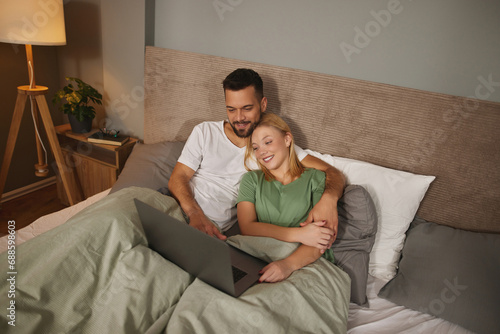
(95, 274)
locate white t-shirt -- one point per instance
(219, 167)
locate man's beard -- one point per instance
(243, 133)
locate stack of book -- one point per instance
(101, 138)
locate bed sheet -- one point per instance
(48, 222)
(385, 317)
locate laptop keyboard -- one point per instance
(238, 274)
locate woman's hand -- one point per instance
(316, 235)
(276, 271)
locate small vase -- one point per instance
(80, 127)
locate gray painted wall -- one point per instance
(446, 46)
(123, 43)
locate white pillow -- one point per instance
(397, 196)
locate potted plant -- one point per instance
(76, 106)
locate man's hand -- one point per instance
(181, 190)
(325, 209)
(316, 235)
(200, 222)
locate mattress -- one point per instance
(385, 317)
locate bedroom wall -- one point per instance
(447, 46)
(81, 57)
(123, 41)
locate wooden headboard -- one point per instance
(454, 138)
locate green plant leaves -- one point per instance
(76, 101)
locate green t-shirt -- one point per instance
(283, 205)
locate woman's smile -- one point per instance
(267, 159)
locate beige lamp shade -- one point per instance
(35, 22)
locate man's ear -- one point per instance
(263, 104)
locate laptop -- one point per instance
(212, 260)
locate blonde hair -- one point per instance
(296, 167)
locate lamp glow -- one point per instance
(35, 22)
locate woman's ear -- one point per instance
(288, 139)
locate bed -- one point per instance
(418, 244)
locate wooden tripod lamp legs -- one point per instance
(67, 174)
(11, 139)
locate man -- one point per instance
(206, 177)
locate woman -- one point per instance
(273, 201)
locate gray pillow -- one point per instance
(449, 273)
(149, 166)
(355, 238)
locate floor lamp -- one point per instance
(34, 22)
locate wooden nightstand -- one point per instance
(97, 166)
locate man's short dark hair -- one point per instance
(243, 78)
